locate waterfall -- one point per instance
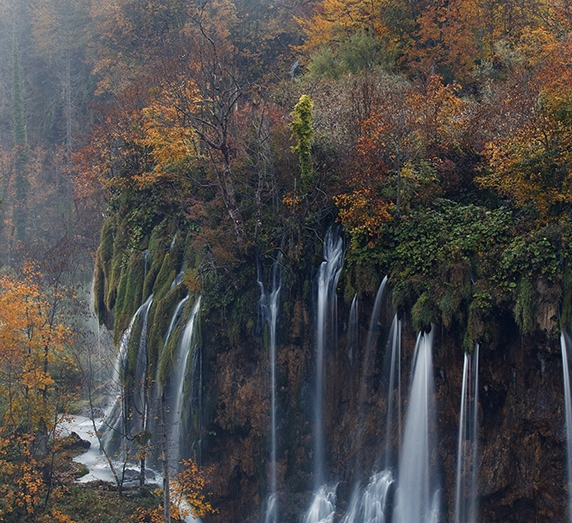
(353, 334)
(417, 494)
(322, 508)
(370, 506)
(114, 421)
(178, 279)
(467, 455)
(140, 416)
(370, 345)
(328, 276)
(565, 343)
(178, 384)
(175, 319)
(269, 306)
(147, 256)
(394, 375)
(373, 332)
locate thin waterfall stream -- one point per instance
(322, 508)
(115, 418)
(565, 343)
(467, 451)
(269, 304)
(417, 494)
(180, 372)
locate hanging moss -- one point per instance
(165, 276)
(525, 306)
(478, 324)
(169, 352)
(129, 292)
(159, 320)
(105, 251)
(422, 313)
(132, 356)
(159, 242)
(103, 314)
(117, 265)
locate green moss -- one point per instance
(165, 276)
(241, 311)
(169, 353)
(159, 321)
(132, 361)
(423, 313)
(525, 306)
(129, 292)
(105, 251)
(116, 265)
(160, 240)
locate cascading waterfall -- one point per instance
(467, 451)
(175, 415)
(147, 256)
(417, 494)
(323, 505)
(328, 276)
(371, 505)
(175, 319)
(269, 307)
(178, 279)
(565, 342)
(370, 346)
(371, 341)
(393, 390)
(140, 416)
(115, 417)
(353, 337)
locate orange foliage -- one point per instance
(188, 492)
(532, 164)
(403, 146)
(31, 341)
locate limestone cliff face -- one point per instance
(521, 419)
(521, 422)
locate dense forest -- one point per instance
(212, 141)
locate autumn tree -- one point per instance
(407, 150)
(531, 164)
(33, 343)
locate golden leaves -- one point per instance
(165, 134)
(188, 491)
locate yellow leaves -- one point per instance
(59, 517)
(169, 140)
(362, 210)
(335, 20)
(148, 515)
(531, 165)
(188, 491)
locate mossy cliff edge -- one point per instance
(464, 269)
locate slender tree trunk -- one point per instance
(229, 198)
